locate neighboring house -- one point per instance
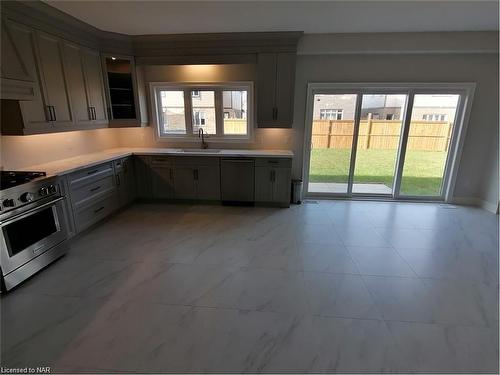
(385, 107)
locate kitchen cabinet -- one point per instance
(208, 182)
(273, 181)
(126, 104)
(275, 89)
(125, 180)
(143, 173)
(93, 194)
(184, 178)
(162, 183)
(53, 80)
(95, 86)
(83, 71)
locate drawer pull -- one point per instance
(95, 189)
(93, 172)
(273, 161)
(99, 209)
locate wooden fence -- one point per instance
(381, 134)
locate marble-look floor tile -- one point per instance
(333, 258)
(453, 263)
(404, 299)
(380, 261)
(194, 288)
(259, 289)
(437, 348)
(339, 295)
(332, 345)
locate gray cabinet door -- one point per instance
(266, 89)
(162, 185)
(282, 185)
(143, 174)
(125, 180)
(76, 83)
(16, 52)
(54, 85)
(95, 85)
(264, 184)
(275, 89)
(285, 89)
(184, 182)
(208, 182)
(34, 112)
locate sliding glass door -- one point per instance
(331, 143)
(378, 143)
(393, 142)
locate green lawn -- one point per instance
(422, 173)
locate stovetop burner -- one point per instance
(10, 179)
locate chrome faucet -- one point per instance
(201, 135)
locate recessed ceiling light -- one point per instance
(113, 58)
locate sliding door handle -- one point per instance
(48, 113)
(90, 113)
(94, 114)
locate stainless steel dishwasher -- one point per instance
(237, 180)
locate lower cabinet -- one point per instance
(95, 192)
(184, 178)
(125, 180)
(273, 181)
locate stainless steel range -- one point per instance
(32, 225)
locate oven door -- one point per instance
(31, 233)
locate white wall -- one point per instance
(478, 173)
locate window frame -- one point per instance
(328, 112)
(218, 88)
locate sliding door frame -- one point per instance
(462, 115)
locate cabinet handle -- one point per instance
(99, 209)
(94, 113)
(90, 113)
(95, 189)
(54, 112)
(118, 179)
(195, 174)
(93, 172)
(48, 112)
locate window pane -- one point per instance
(172, 120)
(235, 112)
(203, 103)
(429, 138)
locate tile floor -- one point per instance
(335, 286)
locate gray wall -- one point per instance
(478, 171)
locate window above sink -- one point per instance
(224, 111)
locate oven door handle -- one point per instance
(26, 213)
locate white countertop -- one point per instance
(65, 166)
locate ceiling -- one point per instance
(171, 17)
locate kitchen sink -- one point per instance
(200, 150)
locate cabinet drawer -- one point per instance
(196, 160)
(90, 175)
(97, 211)
(273, 162)
(88, 193)
(161, 161)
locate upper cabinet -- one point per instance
(275, 89)
(67, 84)
(123, 102)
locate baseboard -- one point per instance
(472, 201)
